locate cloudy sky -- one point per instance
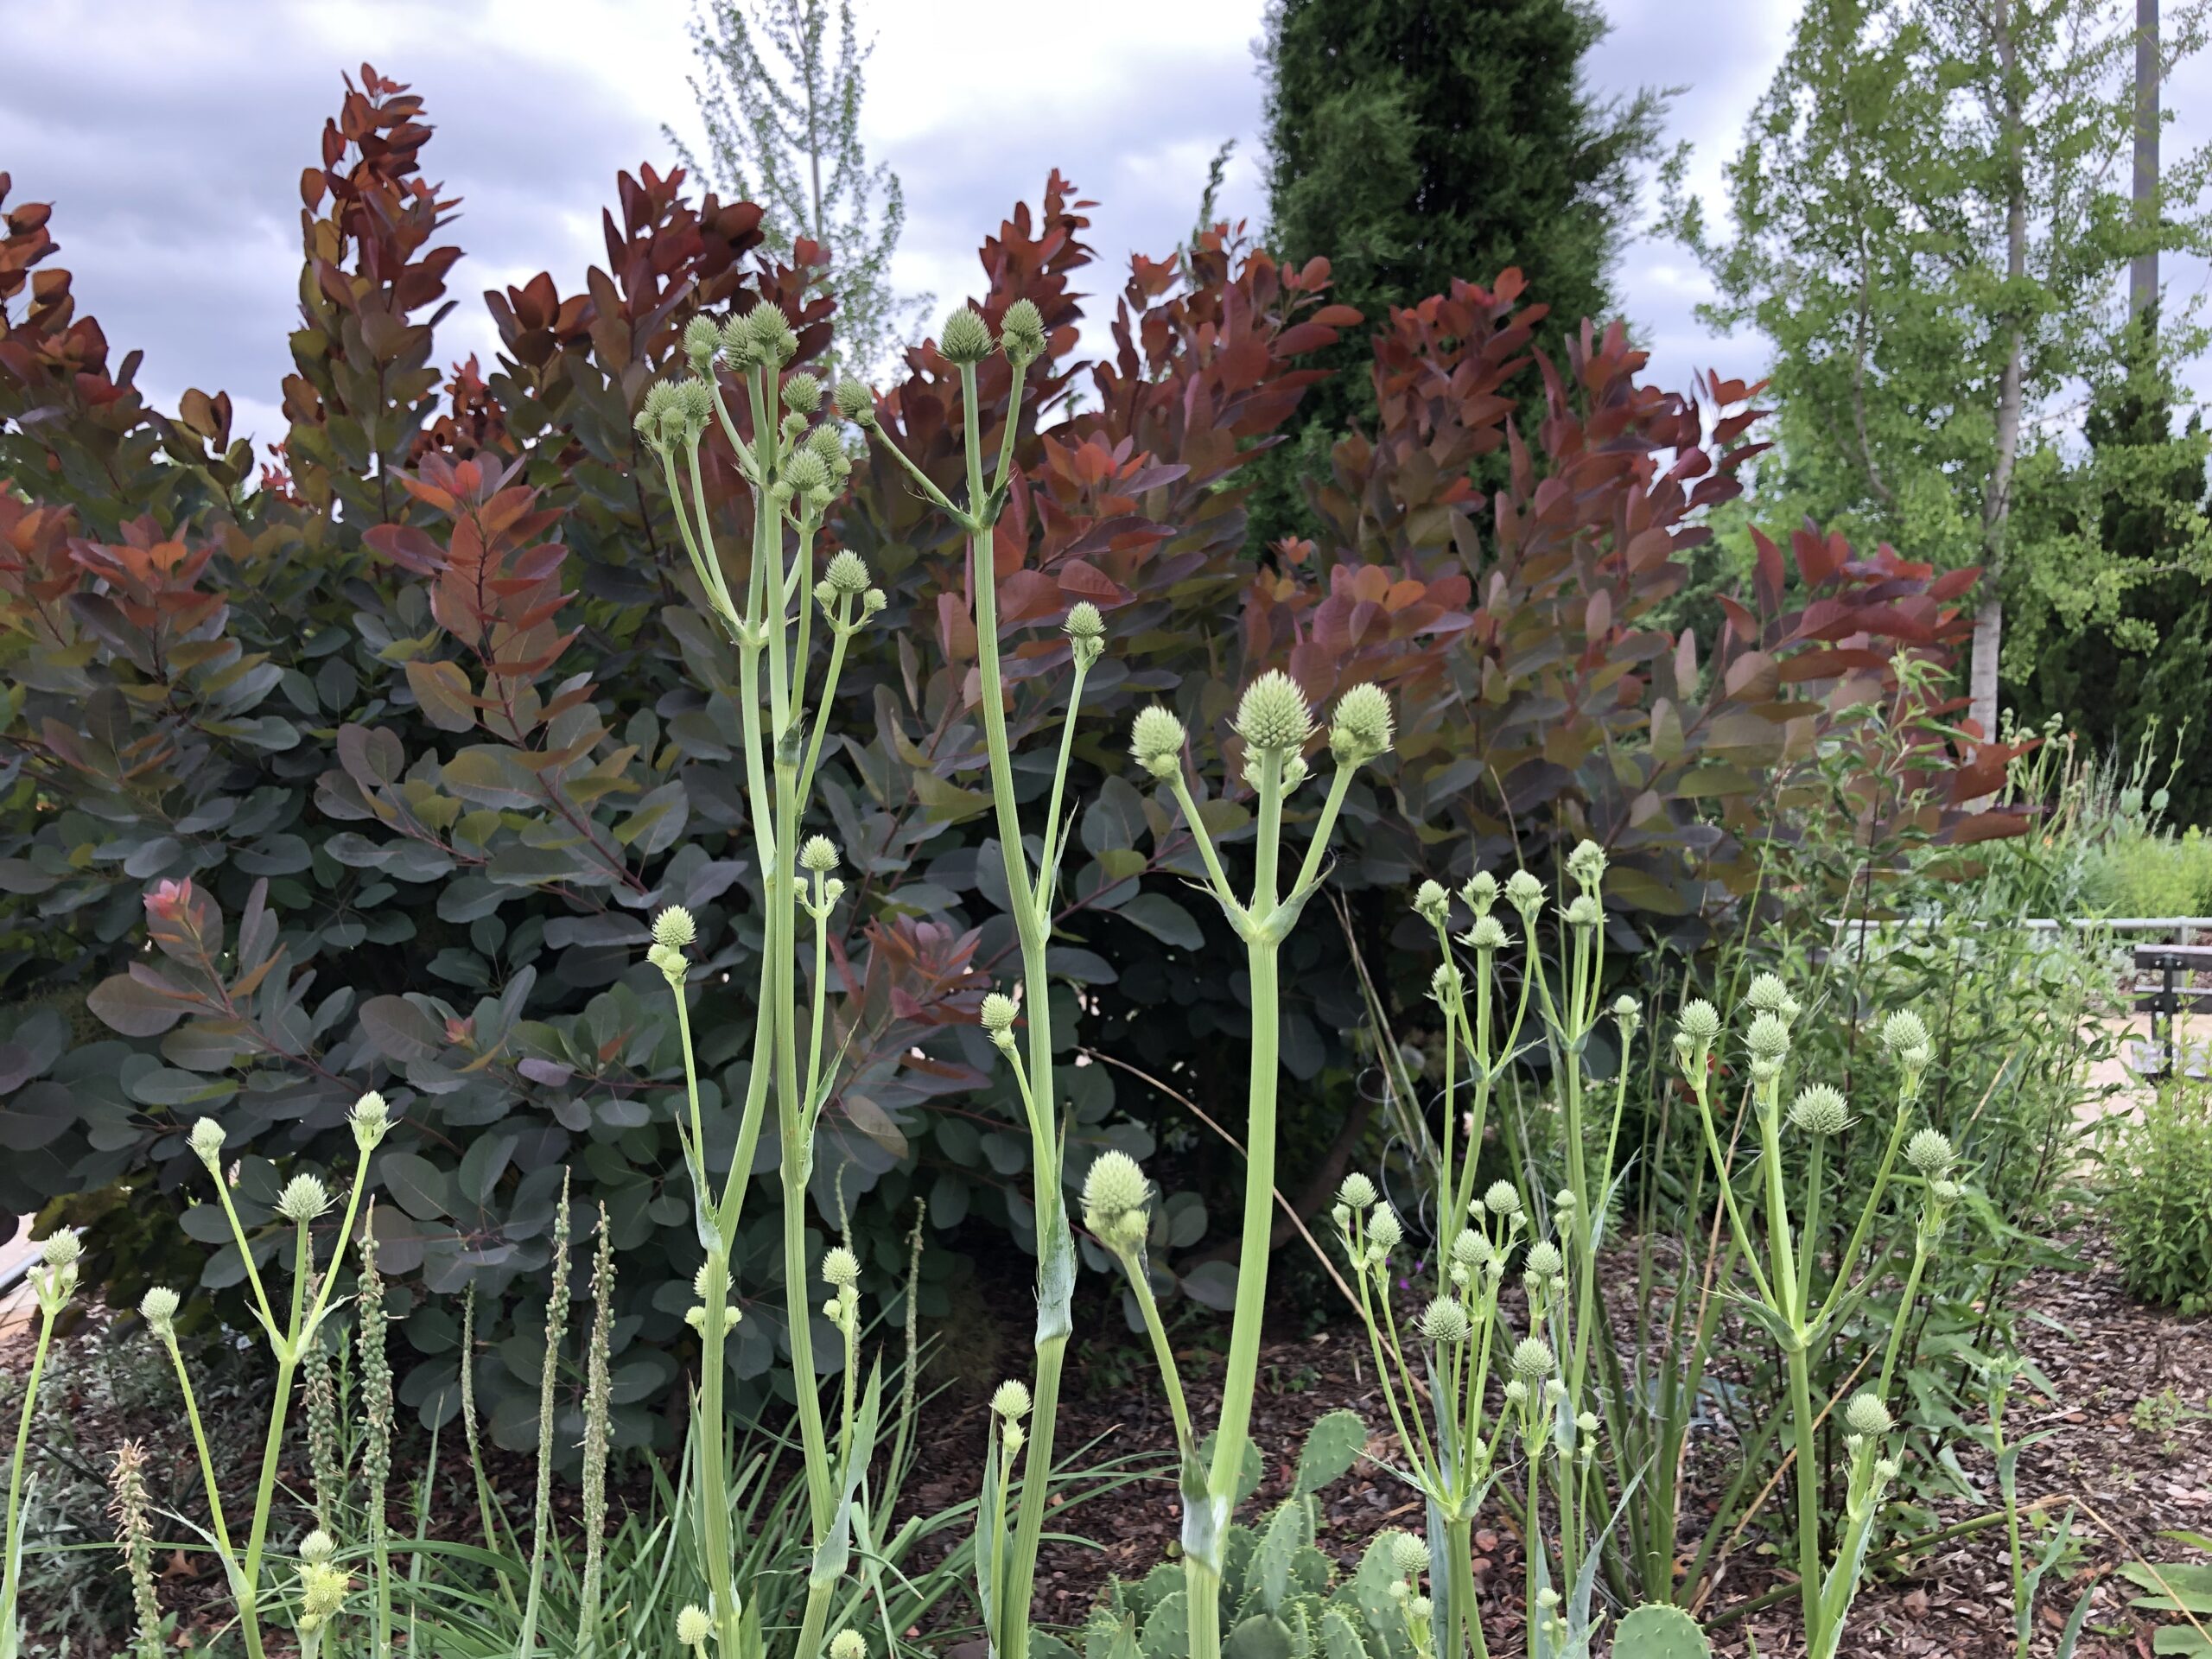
(172, 150)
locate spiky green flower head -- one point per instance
(1086, 632)
(848, 1644)
(1701, 1022)
(809, 477)
(208, 1140)
(674, 928)
(55, 1280)
(322, 1592)
(1409, 1554)
(840, 1267)
(302, 1199)
(1929, 1150)
(1586, 864)
(1444, 987)
(1525, 893)
(1820, 1108)
(1628, 1014)
(1544, 1260)
(1114, 1198)
(1444, 1321)
(873, 602)
(1021, 334)
(1471, 1248)
(703, 343)
(1362, 727)
(1383, 1227)
(1768, 1039)
(1156, 739)
(847, 573)
(997, 1015)
(1532, 1359)
(826, 442)
(158, 1308)
(740, 346)
(654, 421)
(1867, 1415)
(693, 1627)
(317, 1547)
(1010, 1400)
(1584, 912)
(1768, 994)
(1432, 903)
(818, 855)
(966, 338)
(1903, 1031)
(801, 393)
(1479, 892)
(1487, 935)
(369, 1120)
(1563, 1200)
(855, 402)
(1517, 1392)
(1357, 1191)
(1500, 1198)
(1273, 716)
(772, 336)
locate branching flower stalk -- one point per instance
(133, 1533)
(303, 1199)
(1275, 723)
(53, 1281)
(369, 1317)
(793, 466)
(1784, 1269)
(598, 1402)
(557, 1324)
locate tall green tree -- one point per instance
(779, 89)
(1931, 224)
(1410, 142)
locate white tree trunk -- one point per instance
(1996, 505)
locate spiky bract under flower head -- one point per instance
(966, 337)
(303, 1199)
(1363, 727)
(1532, 1358)
(1929, 1150)
(1866, 1415)
(1010, 1400)
(674, 928)
(1273, 715)
(1156, 739)
(1820, 1109)
(1358, 1191)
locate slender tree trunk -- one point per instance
(2143, 272)
(1996, 505)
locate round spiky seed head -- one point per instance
(841, 1267)
(1532, 1358)
(1767, 995)
(1524, 892)
(61, 1250)
(208, 1140)
(1115, 1186)
(740, 346)
(1083, 621)
(802, 394)
(693, 1627)
(703, 339)
(1384, 1228)
(1480, 891)
(1585, 911)
(1500, 1199)
(303, 1199)
(1358, 1191)
(827, 442)
(158, 1308)
(1867, 1415)
(1445, 1320)
(855, 401)
(322, 1588)
(847, 573)
(1362, 727)
(692, 407)
(1470, 1248)
(1011, 1399)
(818, 854)
(1487, 934)
(1768, 1039)
(317, 1547)
(1931, 1152)
(1273, 715)
(848, 1644)
(966, 337)
(1432, 904)
(370, 1118)
(1021, 332)
(806, 471)
(1820, 1109)
(1544, 1260)
(1700, 1022)
(1904, 1031)
(1586, 863)
(674, 928)
(1409, 1554)
(772, 334)
(1156, 741)
(997, 1013)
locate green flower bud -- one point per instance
(303, 1199)
(1517, 1392)
(1358, 1191)
(370, 1118)
(872, 601)
(1767, 995)
(1156, 739)
(61, 1249)
(691, 409)
(966, 337)
(208, 1140)
(1867, 1415)
(1445, 1320)
(1362, 727)
(1930, 1152)
(1820, 1109)
(772, 334)
(1532, 1358)
(819, 854)
(1768, 1039)
(693, 1627)
(1443, 984)
(1586, 1423)
(802, 394)
(1011, 1399)
(855, 402)
(1487, 934)
(1021, 333)
(1432, 904)
(1383, 1227)
(1700, 1022)
(1114, 1185)
(1544, 1260)
(158, 1308)
(1586, 864)
(740, 346)
(1470, 1248)
(703, 341)
(322, 1591)
(1945, 1191)
(997, 1014)
(848, 1644)
(1500, 1198)
(847, 572)
(671, 961)
(1273, 715)
(1409, 1554)
(1480, 892)
(1525, 893)
(1563, 1200)
(1904, 1031)
(674, 928)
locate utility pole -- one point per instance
(2143, 271)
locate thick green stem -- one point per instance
(8, 1589)
(1465, 1635)
(815, 1618)
(1807, 1475)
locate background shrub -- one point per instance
(2158, 1198)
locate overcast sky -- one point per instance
(172, 149)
